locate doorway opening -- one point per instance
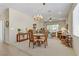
(52, 28)
(1, 31)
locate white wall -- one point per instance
(76, 21)
(69, 21)
(17, 20)
(6, 29)
(70, 26)
(76, 44)
(1, 32)
(3, 18)
(75, 35)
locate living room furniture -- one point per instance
(21, 37)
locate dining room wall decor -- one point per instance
(7, 23)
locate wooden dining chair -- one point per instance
(32, 39)
(44, 38)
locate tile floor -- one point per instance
(54, 48)
(8, 50)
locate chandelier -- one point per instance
(38, 17)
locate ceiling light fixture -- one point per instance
(38, 17)
(50, 19)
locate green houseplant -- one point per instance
(19, 30)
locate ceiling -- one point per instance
(57, 11)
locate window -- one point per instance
(53, 28)
(76, 21)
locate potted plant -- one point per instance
(19, 30)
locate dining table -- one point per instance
(38, 36)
